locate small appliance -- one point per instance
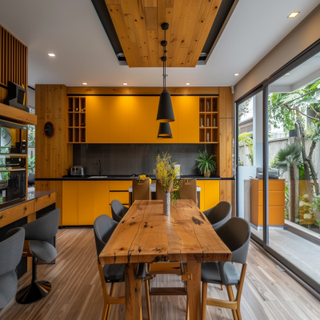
(77, 171)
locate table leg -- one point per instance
(194, 268)
(133, 293)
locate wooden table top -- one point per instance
(145, 234)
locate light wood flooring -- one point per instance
(269, 292)
(299, 251)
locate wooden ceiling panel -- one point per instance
(138, 27)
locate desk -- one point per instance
(146, 235)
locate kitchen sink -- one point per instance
(97, 177)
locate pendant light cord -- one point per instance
(165, 62)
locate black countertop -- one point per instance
(127, 177)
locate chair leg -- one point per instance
(104, 311)
(231, 298)
(239, 288)
(222, 287)
(204, 299)
(148, 298)
(109, 306)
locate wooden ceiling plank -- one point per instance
(206, 29)
(112, 2)
(117, 17)
(125, 7)
(192, 17)
(139, 22)
(169, 15)
(182, 53)
(161, 19)
(153, 46)
(206, 8)
(177, 19)
(150, 3)
(170, 3)
(151, 18)
(179, 16)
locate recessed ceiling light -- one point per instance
(84, 83)
(288, 74)
(51, 55)
(125, 84)
(188, 84)
(293, 14)
(236, 74)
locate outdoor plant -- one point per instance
(316, 204)
(31, 164)
(206, 163)
(245, 139)
(287, 160)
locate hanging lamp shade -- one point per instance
(165, 111)
(164, 130)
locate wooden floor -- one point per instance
(269, 292)
(299, 251)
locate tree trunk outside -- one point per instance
(292, 195)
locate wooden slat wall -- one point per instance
(13, 62)
(226, 124)
(54, 155)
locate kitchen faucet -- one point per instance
(99, 163)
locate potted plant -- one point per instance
(206, 163)
(165, 173)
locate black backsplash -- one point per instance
(127, 159)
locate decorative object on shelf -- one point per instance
(164, 130)
(214, 122)
(208, 105)
(165, 173)
(48, 129)
(206, 163)
(208, 122)
(165, 111)
(208, 137)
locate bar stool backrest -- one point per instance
(188, 189)
(141, 190)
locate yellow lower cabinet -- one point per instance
(200, 183)
(101, 199)
(211, 193)
(70, 203)
(86, 202)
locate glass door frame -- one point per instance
(312, 50)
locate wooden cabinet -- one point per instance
(83, 201)
(77, 120)
(276, 202)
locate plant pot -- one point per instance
(207, 173)
(166, 204)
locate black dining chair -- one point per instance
(219, 214)
(118, 210)
(113, 273)
(10, 256)
(38, 232)
(235, 233)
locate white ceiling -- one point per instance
(72, 30)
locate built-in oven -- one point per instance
(14, 138)
(13, 173)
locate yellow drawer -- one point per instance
(120, 185)
(123, 197)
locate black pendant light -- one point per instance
(165, 111)
(164, 131)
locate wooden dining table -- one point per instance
(146, 235)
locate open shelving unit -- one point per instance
(208, 120)
(76, 120)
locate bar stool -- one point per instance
(10, 256)
(37, 247)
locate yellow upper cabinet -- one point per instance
(97, 113)
(132, 119)
(188, 119)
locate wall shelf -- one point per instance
(208, 120)
(77, 120)
(17, 115)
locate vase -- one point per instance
(166, 204)
(207, 173)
